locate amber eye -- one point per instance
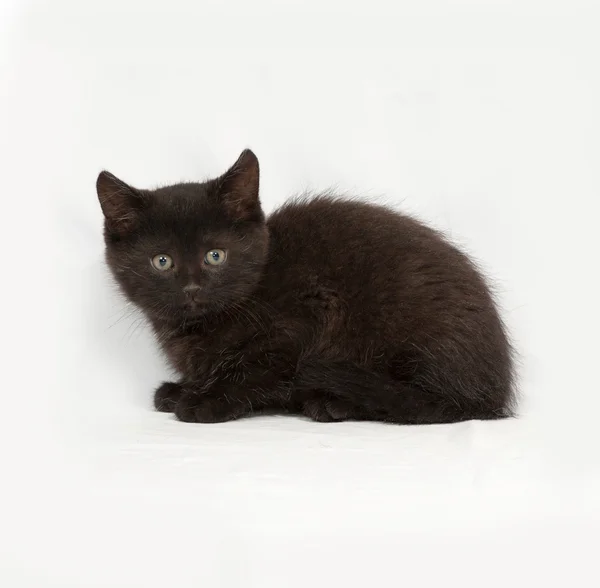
(215, 257)
(162, 262)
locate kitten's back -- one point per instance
(404, 291)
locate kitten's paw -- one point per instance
(198, 408)
(166, 396)
(328, 410)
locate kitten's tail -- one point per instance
(379, 396)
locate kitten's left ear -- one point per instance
(238, 189)
(121, 204)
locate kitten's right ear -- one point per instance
(120, 203)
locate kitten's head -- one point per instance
(188, 250)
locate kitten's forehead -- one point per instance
(181, 196)
(186, 211)
(183, 202)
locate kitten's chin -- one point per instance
(199, 313)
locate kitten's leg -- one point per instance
(205, 406)
(166, 396)
(321, 391)
(353, 392)
(325, 408)
(243, 382)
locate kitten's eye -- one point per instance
(162, 262)
(215, 257)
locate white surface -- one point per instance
(481, 117)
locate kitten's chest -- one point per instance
(192, 354)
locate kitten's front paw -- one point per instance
(198, 408)
(166, 396)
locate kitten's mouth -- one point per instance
(196, 309)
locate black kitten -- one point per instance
(330, 308)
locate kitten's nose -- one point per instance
(192, 291)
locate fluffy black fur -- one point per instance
(330, 308)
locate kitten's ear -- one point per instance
(238, 189)
(120, 203)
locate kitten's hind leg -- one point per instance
(329, 390)
(325, 408)
(167, 396)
